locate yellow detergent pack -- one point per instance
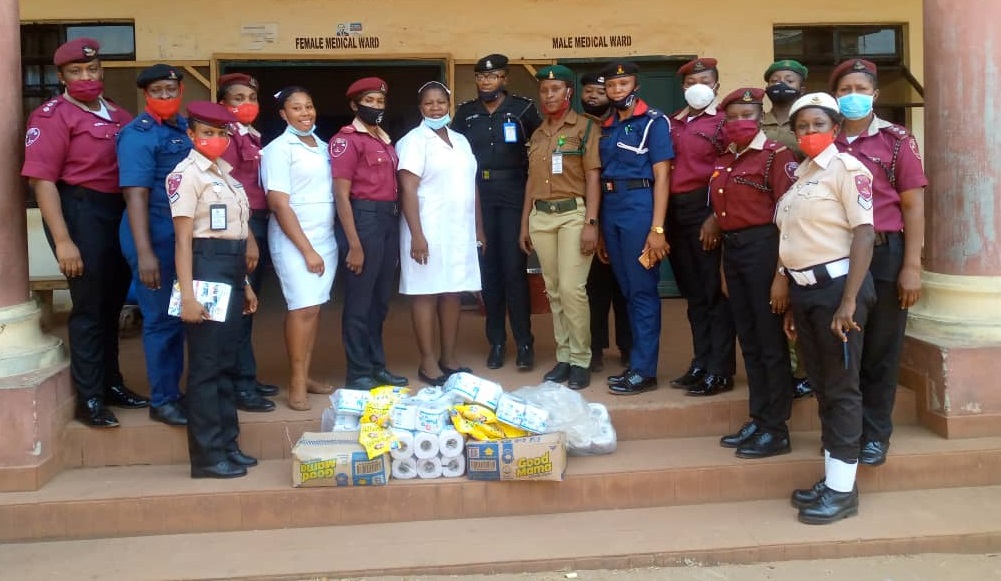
(336, 459)
(542, 457)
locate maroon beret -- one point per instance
(745, 96)
(237, 79)
(210, 113)
(367, 85)
(78, 50)
(852, 66)
(697, 65)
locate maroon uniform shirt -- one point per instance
(696, 145)
(891, 154)
(744, 188)
(369, 161)
(244, 154)
(67, 142)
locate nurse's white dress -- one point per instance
(447, 201)
(288, 165)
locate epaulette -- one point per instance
(143, 122)
(775, 146)
(464, 103)
(522, 98)
(851, 162)
(48, 109)
(348, 129)
(654, 113)
(896, 131)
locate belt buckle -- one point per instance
(609, 186)
(486, 174)
(552, 207)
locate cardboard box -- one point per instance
(336, 459)
(541, 457)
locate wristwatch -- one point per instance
(591, 221)
(657, 229)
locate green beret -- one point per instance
(555, 72)
(786, 65)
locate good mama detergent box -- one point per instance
(336, 459)
(542, 457)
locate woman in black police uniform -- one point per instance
(211, 224)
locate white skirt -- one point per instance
(300, 287)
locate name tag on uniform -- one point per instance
(217, 217)
(510, 132)
(557, 163)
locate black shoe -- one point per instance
(123, 397)
(633, 384)
(266, 389)
(874, 452)
(830, 506)
(802, 497)
(95, 414)
(362, 383)
(558, 374)
(448, 371)
(690, 379)
(240, 459)
(620, 377)
(439, 381)
(223, 469)
(764, 445)
(252, 401)
(803, 388)
(742, 436)
(385, 377)
(580, 377)
(172, 414)
(526, 358)
(597, 361)
(495, 360)
(711, 385)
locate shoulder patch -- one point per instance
(338, 145)
(863, 185)
(913, 143)
(32, 136)
(790, 169)
(48, 108)
(143, 123)
(173, 184)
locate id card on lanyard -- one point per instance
(510, 132)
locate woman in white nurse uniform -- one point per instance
(440, 230)
(295, 171)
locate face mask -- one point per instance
(436, 124)
(489, 96)
(782, 93)
(163, 108)
(623, 104)
(85, 91)
(596, 110)
(246, 112)
(740, 132)
(855, 106)
(300, 132)
(212, 147)
(370, 115)
(815, 143)
(564, 106)
(699, 96)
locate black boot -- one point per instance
(830, 506)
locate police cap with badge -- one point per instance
(158, 72)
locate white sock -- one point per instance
(840, 475)
(827, 461)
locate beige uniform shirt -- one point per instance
(832, 196)
(578, 147)
(205, 192)
(781, 132)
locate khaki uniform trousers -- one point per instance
(556, 238)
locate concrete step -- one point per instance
(964, 520)
(664, 413)
(163, 499)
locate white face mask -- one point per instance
(699, 96)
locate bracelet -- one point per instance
(246, 280)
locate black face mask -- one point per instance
(595, 110)
(370, 115)
(782, 93)
(489, 96)
(623, 104)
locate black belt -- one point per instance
(501, 174)
(613, 185)
(260, 213)
(745, 236)
(884, 238)
(219, 246)
(85, 193)
(556, 206)
(377, 206)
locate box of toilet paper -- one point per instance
(541, 457)
(336, 459)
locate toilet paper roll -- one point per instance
(604, 441)
(450, 443)
(430, 393)
(404, 468)
(453, 467)
(425, 445)
(429, 467)
(350, 401)
(404, 416)
(327, 420)
(433, 418)
(406, 448)
(599, 412)
(487, 394)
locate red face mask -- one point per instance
(564, 107)
(163, 108)
(85, 91)
(815, 143)
(212, 147)
(740, 132)
(246, 112)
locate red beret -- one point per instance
(697, 65)
(210, 113)
(851, 66)
(367, 85)
(78, 50)
(238, 79)
(745, 96)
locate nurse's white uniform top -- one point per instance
(290, 166)
(447, 202)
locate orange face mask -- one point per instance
(815, 143)
(245, 112)
(164, 108)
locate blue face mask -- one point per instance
(855, 106)
(300, 132)
(438, 123)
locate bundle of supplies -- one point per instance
(473, 389)
(429, 447)
(344, 413)
(541, 457)
(336, 459)
(374, 431)
(587, 426)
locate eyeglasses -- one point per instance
(488, 76)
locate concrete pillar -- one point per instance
(953, 353)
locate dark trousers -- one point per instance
(366, 295)
(92, 219)
(604, 294)
(835, 383)
(246, 362)
(505, 281)
(210, 399)
(750, 258)
(884, 341)
(697, 273)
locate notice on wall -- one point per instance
(592, 41)
(348, 35)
